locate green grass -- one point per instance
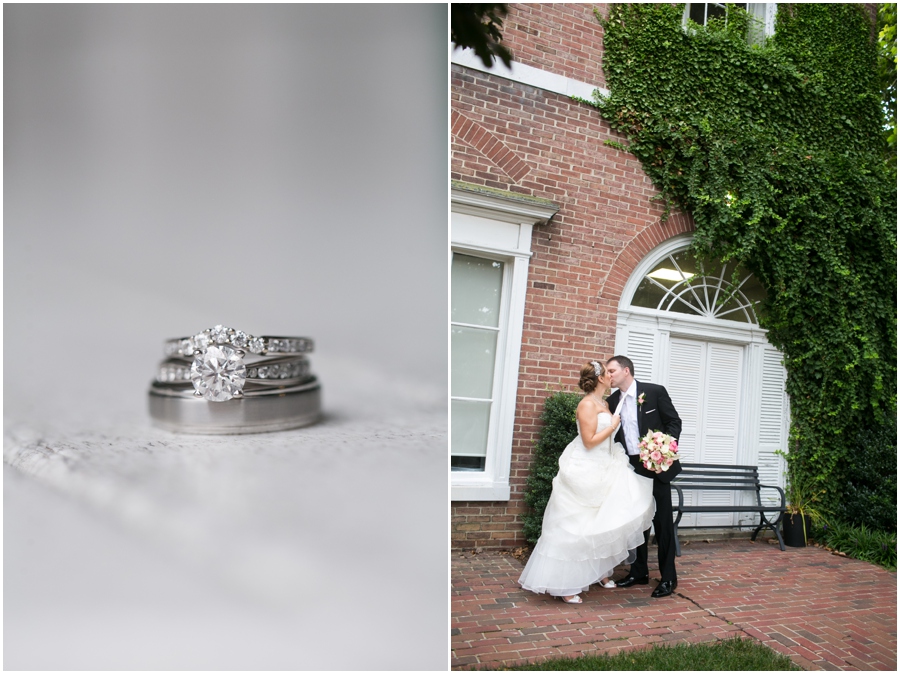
(733, 654)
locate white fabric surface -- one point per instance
(318, 548)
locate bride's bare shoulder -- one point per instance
(589, 405)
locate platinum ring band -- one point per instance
(275, 411)
(186, 347)
(178, 390)
(261, 372)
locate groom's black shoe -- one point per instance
(665, 588)
(628, 581)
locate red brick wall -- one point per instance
(515, 137)
(564, 39)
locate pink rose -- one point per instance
(674, 445)
(656, 456)
(669, 462)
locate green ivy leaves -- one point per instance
(778, 152)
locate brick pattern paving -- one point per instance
(822, 610)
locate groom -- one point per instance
(647, 407)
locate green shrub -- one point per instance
(860, 542)
(867, 494)
(558, 431)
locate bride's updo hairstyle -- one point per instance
(589, 378)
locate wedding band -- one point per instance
(276, 370)
(178, 390)
(186, 347)
(270, 409)
(205, 386)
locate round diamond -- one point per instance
(200, 341)
(219, 334)
(239, 339)
(218, 373)
(257, 345)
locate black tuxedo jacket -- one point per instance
(656, 414)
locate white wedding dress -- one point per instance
(597, 513)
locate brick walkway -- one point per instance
(822, 610)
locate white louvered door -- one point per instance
(772, 423)
(704, 380)
(641, 350)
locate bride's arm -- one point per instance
(587, 421)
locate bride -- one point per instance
(599, 507)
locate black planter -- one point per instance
(792, 530)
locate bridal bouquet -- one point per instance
(658, 451)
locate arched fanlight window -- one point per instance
(678, 284)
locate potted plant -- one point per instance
(802, 506)
(801, 511)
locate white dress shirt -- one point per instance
(629, 417)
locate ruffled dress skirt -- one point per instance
(596, 517)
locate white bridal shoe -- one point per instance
(572, 600)
(609, 584)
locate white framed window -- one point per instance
(490, 236)
(477, 287)
(763, 14)
(677, 284)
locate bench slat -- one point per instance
(726, 509)
(718, 477)
(718, 466)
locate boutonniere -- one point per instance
(640, 400)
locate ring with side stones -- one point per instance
(187, 347)
(218, 371)
(272, 409)
(214, 382)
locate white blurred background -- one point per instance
(281, 169)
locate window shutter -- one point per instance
(721, 416)
(640, 350)
(772, 423)
(686, 362)
(723, 377)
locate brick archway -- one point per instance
(491, 147)
(636, 249)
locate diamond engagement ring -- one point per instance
(187, 347)
(220, 374)
(218, 371)
(220, 368)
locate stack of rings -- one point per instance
(224, 381)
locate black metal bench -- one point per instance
(698, 477)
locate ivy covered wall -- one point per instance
(778, 152)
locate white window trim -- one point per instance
(768, 21)
(524, 74)
(493, 483)
(686, 325)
